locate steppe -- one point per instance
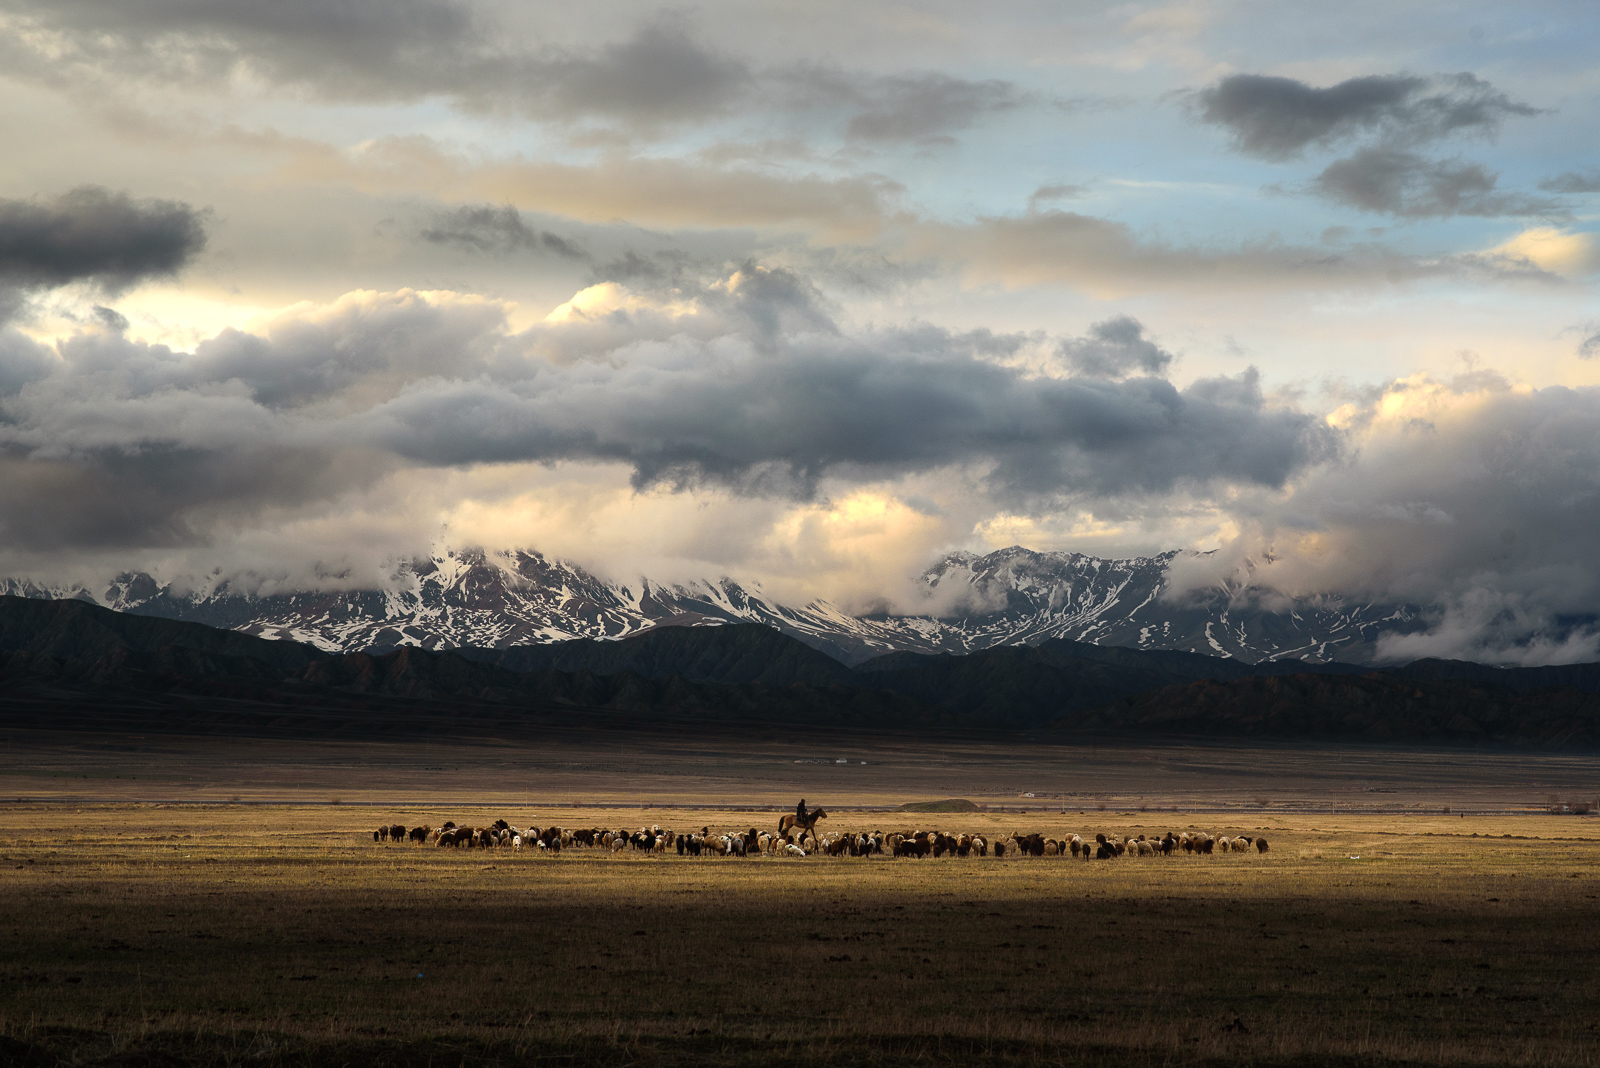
(178, 901)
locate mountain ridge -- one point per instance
(457, 598)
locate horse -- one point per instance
(790, 821)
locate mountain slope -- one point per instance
(738, 652)
(76, 666)
(73, 630)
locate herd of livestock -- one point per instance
(705, 842)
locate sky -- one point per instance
(809, 295)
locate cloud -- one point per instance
(647, 191)
(1115, 348)
(1558, 252)
(660, 74)
(1058, 191)
(94, 234)
(348, 46)
(1396, 182)
(1573, 182)
(925, 108)
(489, 229)
(1108, 259)
(1471, 497)
(1278, 118)
(744, 384)
(375, 52)
(1493, 626)
(22, 359)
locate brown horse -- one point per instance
(790, 821)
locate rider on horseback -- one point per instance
(800, 813)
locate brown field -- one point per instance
(148, 917)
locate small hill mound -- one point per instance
(953, 804)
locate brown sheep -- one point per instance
(1261, 845)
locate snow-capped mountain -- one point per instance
(1010, 597)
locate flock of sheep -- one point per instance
(502, 835)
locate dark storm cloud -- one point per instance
(502, 229)
(879, 406)
(164, 495)
(754, 389)
(1278, 118)
(1573, 182)
(92, 233)
(1402, 183)
(1115, 348)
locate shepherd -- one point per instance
(803, 820)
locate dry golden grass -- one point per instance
(214, 934)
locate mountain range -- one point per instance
(71, 665)
(458, 598)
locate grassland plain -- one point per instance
(145, 933)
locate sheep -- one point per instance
(1261, 845)
(796, 851)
